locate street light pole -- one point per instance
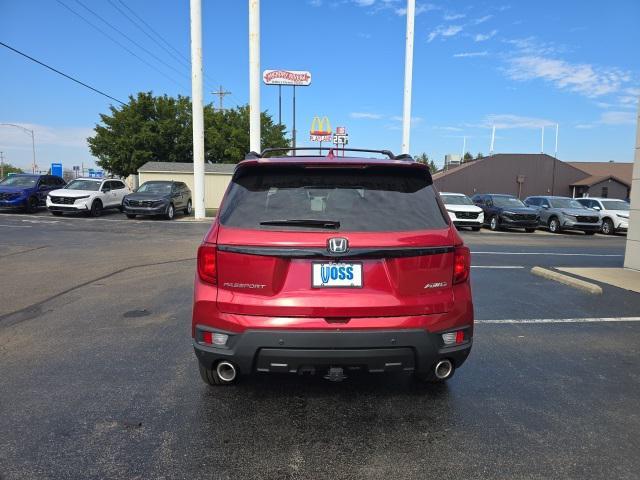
(408, 76)
(254, 76)
(33, 142)
(197, 108)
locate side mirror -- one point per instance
(106, 189)
(42, 187)
(596, 207)
(546, 207)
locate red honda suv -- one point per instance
(330, 264)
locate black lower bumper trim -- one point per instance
(297, 351)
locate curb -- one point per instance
(588, 287)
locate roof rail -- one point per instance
(388, 153)
(404, 156)
(252, 155)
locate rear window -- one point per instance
(371, 199)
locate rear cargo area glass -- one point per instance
(369, 199)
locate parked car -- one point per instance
(327, 264)
(92, 195)
(563, 213)
(614, 213)
(158, 198)
(27, 191)
(462, 211)
(506, 211)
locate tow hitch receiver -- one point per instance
(335, 374)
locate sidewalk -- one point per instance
(618, 277)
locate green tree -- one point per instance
(159, 128)
(467, 157)
(424, 158)
(8, 168)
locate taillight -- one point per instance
(207, 264)
(461, 264)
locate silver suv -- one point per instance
(563, 213)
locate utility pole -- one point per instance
(493, 139)
(34, 166)
(221, 94)
(197, 108)
(408, 76)
(254, 75)
(1, 165)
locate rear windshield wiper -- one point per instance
(303, 222)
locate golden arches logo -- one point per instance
(318, 126)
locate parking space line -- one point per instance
(555, 254)
(16, 226)
(497, 266)
(563, 320)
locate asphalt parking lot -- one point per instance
(99, 379)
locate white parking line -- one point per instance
(555, 254)
(16, 226)
(564, 320)
(497, 266)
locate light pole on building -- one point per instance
(34, 166)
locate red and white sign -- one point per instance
(287, 77)
(341, 130)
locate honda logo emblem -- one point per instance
(338, 245)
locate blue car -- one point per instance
(27, 191)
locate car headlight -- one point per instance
(625, 217)
(570, 217)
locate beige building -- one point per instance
(217, 177)
(632, 254)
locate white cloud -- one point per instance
(481, 37)
(470, 54)
(420, 8)
(454, 16)
(507, 120)
(315, 3)
(585, 126)
(480, 20)
(618, 118)
(584, 79)
(447, 128)
(449, 31)
(398, 118)
(364, 3)
(44, 135)
(366, 115)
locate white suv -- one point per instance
(614, 213)
(87, 195)
(462, 211)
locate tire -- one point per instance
(171, 212)
(589, 232)
(494, 223)
(31, 205)
(607, 227)
(188, 208)
(96, 208)
(211, 377)
(131, 216)
(57, 214)
(554, 225)
(475, 229)
(529, 230)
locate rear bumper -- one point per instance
(299, 351)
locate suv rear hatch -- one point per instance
(333, 241)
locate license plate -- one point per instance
(336, 275)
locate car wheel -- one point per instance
(131, 215)
(554, 225)
(589, 232)
(607, 227)
(188, 209)
(170, 212)
(529, 230)
(96, 208)
(57, 214)
(31, 205)
(475, 229)
(210, 376)
(494, 223)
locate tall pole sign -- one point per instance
(287, 78)
(408, 76)
(197, 108)
(254, 75)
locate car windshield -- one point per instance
(615, 205)
(372, 199)
(19, 181)
(83, 185)
(508, 202)
(456, 200)
(565, 203)
(154, 187)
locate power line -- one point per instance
(61, 73)
(150, 65)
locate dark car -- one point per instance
(158, 197)
(27, 191)
(506, 211)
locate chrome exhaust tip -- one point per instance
(226, 371)
(444, 369)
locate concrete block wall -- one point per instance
(632, 252)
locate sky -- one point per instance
(518, 65)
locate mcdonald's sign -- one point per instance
(320, 129)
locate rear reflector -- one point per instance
(453, 338)
(207, 264)
(461, 264)
(214, 338)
